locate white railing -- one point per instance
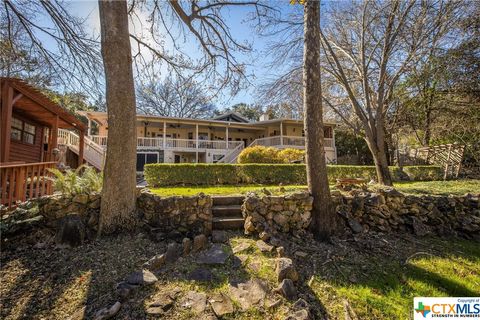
(100, 140)
(170, 143)
(93, 153)
(287, 141)
(232, 155)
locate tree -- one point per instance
(368, 53)
(323, 214)
(250, 111)
(118, 193)
(174, 97)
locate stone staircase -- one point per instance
(227, 212)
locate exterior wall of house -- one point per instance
(27, 152)
(178, 129)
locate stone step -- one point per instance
(227, 223)
(227, 211)
(227, 200)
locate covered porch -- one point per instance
(29, 138)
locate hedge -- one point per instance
(160, 174)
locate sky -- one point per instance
(257, 60)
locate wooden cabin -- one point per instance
(30, 123)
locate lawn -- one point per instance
(374, 277)
(456, 187)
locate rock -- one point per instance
(276, 242)
(241, 247)
(164, 302)
(81, 198)
(287, 289)
(266, 191)
(285, 270)
(143, 277)
(70, 231)
(197, 302)
(299, 315)
(274, 304)
(123, 290)
(264, 236)
(187, 246)
(300, 304)
(281, 252)
(280, 219)
(173, 252)
(156, 262)
(200, 274)
(264, 247)
(199, 243)
(301, 254)
(219, 236)
(221, 304)
(107, 313)
(248, 294)
(217, 254)
(355, 225)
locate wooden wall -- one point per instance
(26, 152)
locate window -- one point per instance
(22, 131)
(328, 132)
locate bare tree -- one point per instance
(72, 57)
(118, 193)
(323, 214)
(173, 97)
(368, 52)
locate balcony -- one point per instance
(175, 144)
(289, 142)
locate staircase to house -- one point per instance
(232, 155)
(227, 212)
(93, 153)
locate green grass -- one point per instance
(457, 187)
(221, 190)
(385, 288)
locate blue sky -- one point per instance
(256, 60)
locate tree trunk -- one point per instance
(119, 180)
(377, 149)
(324, 221)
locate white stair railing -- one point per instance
(232, 155)
(93, 153)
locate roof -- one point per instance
(102, 116)
(235, 116)
(34, 103)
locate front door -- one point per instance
(177, 158)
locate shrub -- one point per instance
(159, 174)
(290, 155)
(190, 174)
(259, 154)
(83, 180)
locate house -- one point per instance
(217, 140)
(30, 128)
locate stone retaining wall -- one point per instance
(272, 214)
(186, 215)
(181, 214)
(390, 210)
(385, 211)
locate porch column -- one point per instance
(53, 139)
(164, 134)
(226, 137)
(7, 105)
(89, 128)
(281, 133)
(81, 148)
(196, 144)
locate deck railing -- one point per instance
(287, 141)
(21, 182)
(172, 143)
